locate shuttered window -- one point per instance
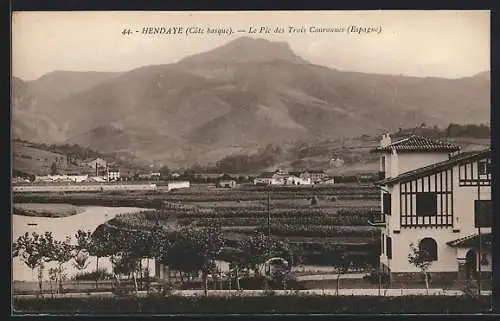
(382, 243)
(426, 204)
(389, 247)
(386, 203)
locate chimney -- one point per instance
(386, 140)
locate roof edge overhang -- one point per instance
(385, 150)
(435, 168)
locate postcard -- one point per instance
(288, 162)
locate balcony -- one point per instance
(377, 221)
(381, 175)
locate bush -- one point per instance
(102, 274)
(262, 304)
(374, 276)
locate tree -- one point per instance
(81, 259)
(63, 252)
(159, 245)
(421, 260)
(35, 250)
(85, 241)
(194, 250)
(104, 241)
(125, 263)
(53, 168)
(258, 249)
(255, 251)
(164, 171)
(340, 260)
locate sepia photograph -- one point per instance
(244, 162)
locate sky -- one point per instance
(449, 44)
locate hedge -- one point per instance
(263, 304)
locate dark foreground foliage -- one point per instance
(249, 305)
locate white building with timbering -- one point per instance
(436, 198)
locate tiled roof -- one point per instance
(266, 175)
(457, 159)
(472, 241)
(315, 171)
(417, 144)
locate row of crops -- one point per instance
(301, 222)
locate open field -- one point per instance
(46, 210)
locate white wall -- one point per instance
(410, 161)
(447, 256)
(463, 206)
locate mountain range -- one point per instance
(234, 99)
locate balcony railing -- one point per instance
(378, 221)
(381, 175)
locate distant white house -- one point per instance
(294, 180)
(328, 181)
(314, 175)
(62, 178)
(99, 179)
(227, 183)
(16, 180)
(269, 178)
(113, 174)
(177, 185)
(97, 163)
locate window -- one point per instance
(483, 213)
(429, 247)
(484, 259)
(389, 247)
(382, 159)
(386, 203)
(426, 204)
(484, 167)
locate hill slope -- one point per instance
(236, 99)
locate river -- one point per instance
(89, 219)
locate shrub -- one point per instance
(374, 276)
(101, 274)
(262, 304)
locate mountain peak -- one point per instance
(247, 50)
(483, 74)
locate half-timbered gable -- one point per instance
(476, 171)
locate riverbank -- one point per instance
(46, 210)
(61, 227)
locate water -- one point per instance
(89, 219)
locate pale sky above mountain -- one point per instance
(416, 43)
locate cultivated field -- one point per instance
(315, 219)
